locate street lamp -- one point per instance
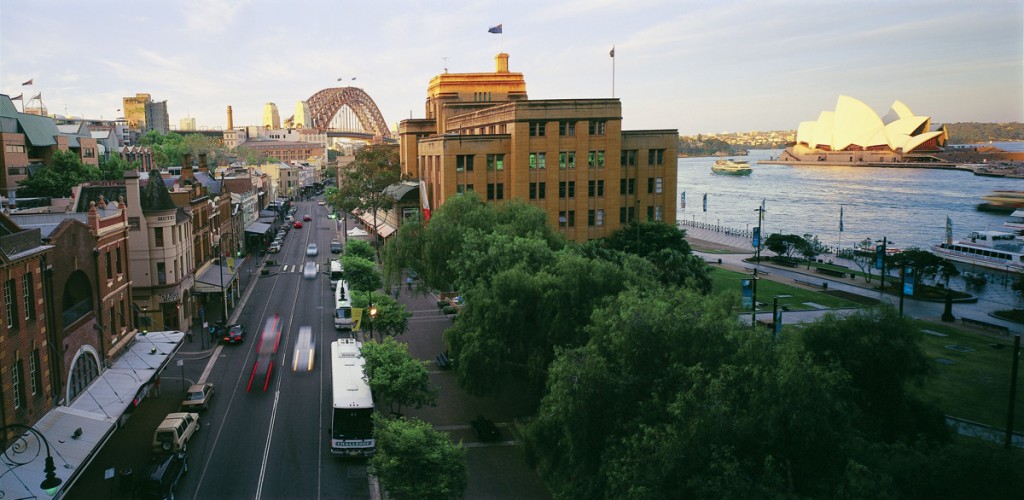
(51, 482)
(373, 314)
(880, 257)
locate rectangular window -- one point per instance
(469, 187)
(650, 184)
(538, 161)
(35, 376)
(117, 259)
(591, 188)
(572, 218)
(600, 188)
(464, 163)
(537, 129)
(562, 219)
(499, 191)
(566, 128)
(628, 158)
(655, 157)
(17, 387)
(566, 159)
(622, 215)
(541, 190)
(627, 186)
(110, 266)
(591, 217)
(657, 185)
(533, 190)
(460, 189)
(158, 233)
(572, 189)
(561, 189)
(161, 273)
(12, 304)
(600, 217)
(29, 293)
(596, 127)
(657, 212)
(495, 162)
(112, 325)
(490, 190)
(595, 159)
(567, 218)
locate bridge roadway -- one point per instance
(274, 444)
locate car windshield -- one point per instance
(195, 396)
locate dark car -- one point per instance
(233, 334)
(161, 475)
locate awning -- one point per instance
(257, 228)
(95, 413)
(210, 278)
(383, 228)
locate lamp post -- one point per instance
(51, 482)
(881, 259)
(757, 248)
(220, 272)
(373, 314)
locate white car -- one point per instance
(305, 351)
(311, 250)
(309, 271)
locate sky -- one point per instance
(695, 66)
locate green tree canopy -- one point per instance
(64, 171)
(413, 461)
(359, 248)
(392, 317)
(395, 376)
(114, 167)
(361, 274)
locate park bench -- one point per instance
(784, 261)
(808, 283)
(831, 272)
(985, 324)
(485, 429)
(442, 360)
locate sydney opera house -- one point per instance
(855, 134)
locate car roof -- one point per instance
(197, 387)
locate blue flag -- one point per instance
(494, 29)
(840, 218)
(705, 202)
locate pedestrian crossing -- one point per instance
(294, 268)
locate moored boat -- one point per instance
(997, 250)
(731, 167)
(1016, 222)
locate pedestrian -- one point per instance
(189, 335)
(408, 282)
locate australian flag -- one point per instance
(494, 29)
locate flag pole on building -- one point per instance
(612, 54)
(497, 30)
(29, 83)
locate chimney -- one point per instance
(186, 167)
(131, 190)
(501, 63)
(202, 163)
(231, 121)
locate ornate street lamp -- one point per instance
(51, 482)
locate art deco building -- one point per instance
(569, 157)
(854, 133)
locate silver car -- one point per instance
(305, 351)
(309, 271)
(311, 250)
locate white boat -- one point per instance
(1016, 222)
(997, 250)
(731, 167)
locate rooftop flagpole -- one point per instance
(497, 30)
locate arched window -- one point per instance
(84, 370)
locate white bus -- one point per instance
(352, 418)
(342, 307)
(336, 270)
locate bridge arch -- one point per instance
(326, 103)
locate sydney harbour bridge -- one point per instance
(347, 112)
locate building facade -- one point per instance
(569, 157)
(143, 113)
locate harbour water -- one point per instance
(908, 206)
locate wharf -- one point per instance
(831, 163)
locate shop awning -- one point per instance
(257, 228)
(383, 228)
(209, 279)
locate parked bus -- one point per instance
(352, 419)
(335, 273)
(342, 307)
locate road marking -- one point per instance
(210, 363)
(266, 449)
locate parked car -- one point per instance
(174, 431)
(160, 476)
(321, 203)
(335, 246)
(274, 247)
(311, 249)
(288, 219)
(233, 334)
(297, 224)
(198, 397)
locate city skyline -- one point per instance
(691, 66)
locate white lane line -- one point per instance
(210, 363)
(266, 449)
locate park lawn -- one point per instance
(792, 297)
(977, 385)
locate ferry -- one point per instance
(731, 167)
(997, 250)
(1004, 201)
